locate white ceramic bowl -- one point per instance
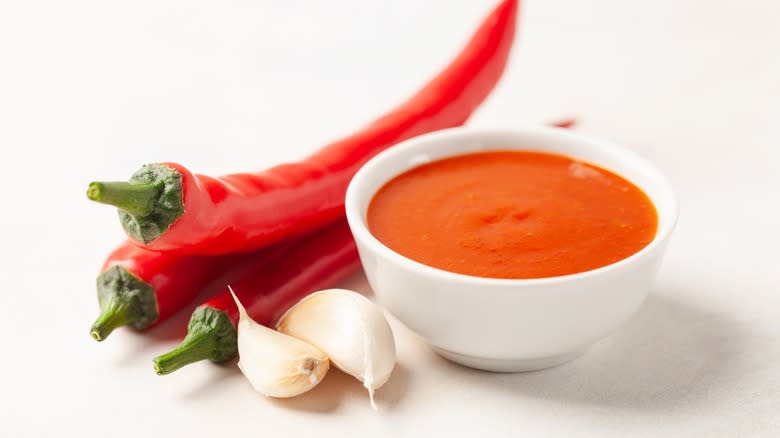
(500, 324)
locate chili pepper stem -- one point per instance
(110, 318)
(149, 203)
(137, 199)
(193, 349)
(210, 335)
(125, 300)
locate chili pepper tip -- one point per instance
(137, 199)
(96, 335)
(108, 320)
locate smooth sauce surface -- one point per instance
(512, 214)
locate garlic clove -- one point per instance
(277, 365)
(351, 330)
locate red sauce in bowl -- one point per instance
(512, 214)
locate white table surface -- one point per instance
(93, 89)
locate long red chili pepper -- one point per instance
(140, 288)
(315, 263)
(165, 207)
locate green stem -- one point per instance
(148, 203)
(210, 335)
(125, 300)
(193, 349)
(110, 318)
(137, 199)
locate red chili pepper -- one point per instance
(316, 263)
(165, 207)
(140, 288)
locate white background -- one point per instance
(93, 89)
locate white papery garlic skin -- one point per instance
(277, 365)
(350, 329)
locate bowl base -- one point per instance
(508, 365)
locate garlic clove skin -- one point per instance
(277, 365)
(351, 330)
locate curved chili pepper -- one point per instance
(165, 207)
(318, 262)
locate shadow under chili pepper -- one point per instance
(173, 329)
(219, 375)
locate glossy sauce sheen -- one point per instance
(512, 214)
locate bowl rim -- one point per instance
(361, 233)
